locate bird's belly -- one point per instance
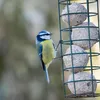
(48, 54)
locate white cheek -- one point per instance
(45, 37)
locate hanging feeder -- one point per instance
(75, 20)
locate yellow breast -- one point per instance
(48, 52)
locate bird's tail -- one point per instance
(47, 75)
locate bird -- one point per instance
(46, 50)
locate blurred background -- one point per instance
(21, 76)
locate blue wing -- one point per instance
(42, 63)
(40, 55)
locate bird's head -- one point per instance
(43, 35)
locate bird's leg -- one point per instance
(56, 50)
(60, 41)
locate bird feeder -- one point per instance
(83, 34)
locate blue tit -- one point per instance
(46, 50)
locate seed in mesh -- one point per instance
(77, 61)
(83, 84)
(74, 19)
(85, 37)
